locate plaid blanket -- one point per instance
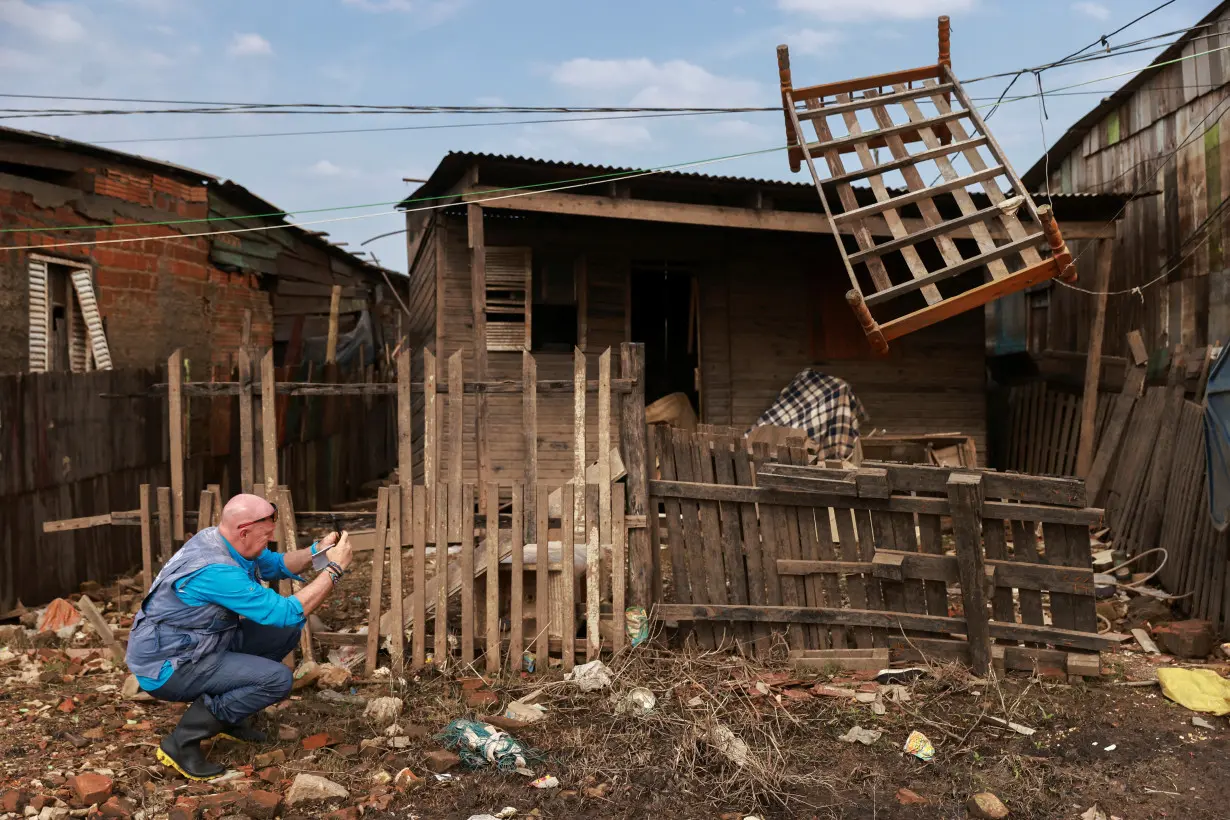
(824, 406)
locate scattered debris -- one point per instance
(729, 744)
(857, 734)
(590, 676)
(481, 744)
(1187, 639)
(1146, 643)
(440, 761)
(338, 697)
(1094, 813)
(638, 701)
(986, 806)
(313, 787)
(305, 675)
(636, 624)
(549, 781)
(1202, 723)
(908, 675)
(524, 712)
(1201, 690)
(383, 712)
(59, 615)
(330, 676)
(1016, 727)
(909, 798)
(918, 745)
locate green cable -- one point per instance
(595, 178)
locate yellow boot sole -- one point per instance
(166, 760)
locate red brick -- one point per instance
(91, 788)
(117, 807)
(1187, 639)
(13, 801)
(260, 804)
(440, 761)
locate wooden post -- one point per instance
(568, 576)
(945, 42)
(373, 612)
(593, 573)
(431, 440)
(247, 473)
(632, 434)
(100, 625)
(216, 491)
(405, 449)
(529, 420)
(491, 507)
(397, 631)
(444, 500)
(335, 304)
(1093, 361)
(418, 601)
(147, 551)
(290, 530)
(164, 523)
(478, 287)
(604, 465)
(456, 422)
(965, 498)
(269, 423)
(579, 385)
(542, 575)
(619, 570)
(205, 513)
(467, 572)
(175, 413)
(516, 636)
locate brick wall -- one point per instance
(154, 295)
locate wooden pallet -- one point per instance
(856, 117)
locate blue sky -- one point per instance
(528, 52)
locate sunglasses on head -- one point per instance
(272, 517)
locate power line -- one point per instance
(514, 192)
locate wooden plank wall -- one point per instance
(1128, 152)
(1042, 430)
(70, 451)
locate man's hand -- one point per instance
(343, 553)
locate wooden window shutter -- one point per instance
(40, 317)
(508, 299)
(84, 285)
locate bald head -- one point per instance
(247, 523)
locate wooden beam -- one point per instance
(377, 587)
(166, 549)
(335, 301)
(175, 415)
(84, 523)
(489, 386)
(478, 292)
(100, 625)
(247, 453)
(965, 497)
(147, 542)
(269, 424)
(634, 444)
(724, 216)
(1093, 362)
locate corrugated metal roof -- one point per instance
(98, 150)
(1083, 206)
(1036, 175)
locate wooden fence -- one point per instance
(836, 560)
(82, 444)
(1151, 473)
(1043, 429)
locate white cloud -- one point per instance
(1095, 10)
(52, 23)
(249, 45)
(324, 168)
(650, 84)
(426, 12)
(607, 132)
(867, 10)
(813, 41)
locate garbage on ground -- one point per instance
(549, 781)
(638, 701)
(348, 657)
(918, 745)
(528, 661)
(1202, 723)
(858, 734)
(909, 675)
(590, 676)
(525, 712)
(987, 806)
(504, 813)
(481, 744)
(729, 744)
(1201, 690)
(383, 712)
(636, 624)
(1016, 727)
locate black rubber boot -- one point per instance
(181, 750)
(243, 733)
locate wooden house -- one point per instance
(86, 296)
(1158, 142)
(734, 285)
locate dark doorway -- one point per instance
(664, 318)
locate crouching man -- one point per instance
(208, 633)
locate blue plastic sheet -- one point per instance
(1217, 440)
